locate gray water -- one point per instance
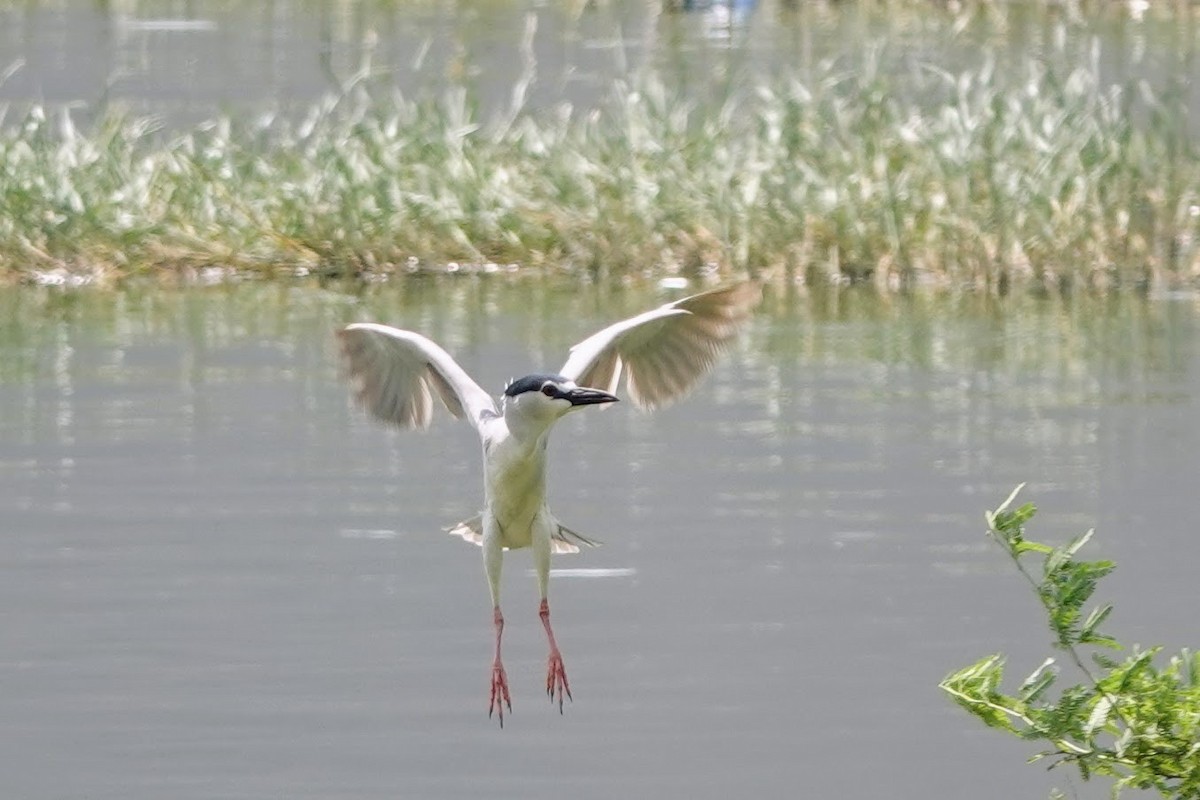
(183, 62)
(218, 580)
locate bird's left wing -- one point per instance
(664, 351)
(397, 373)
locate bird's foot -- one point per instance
(556, 679)
(500, 697)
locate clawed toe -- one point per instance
(556, 681)
(500, 697)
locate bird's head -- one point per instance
(543, 398)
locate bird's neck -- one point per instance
(530, 430)
(515, 474)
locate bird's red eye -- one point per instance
(548, 390)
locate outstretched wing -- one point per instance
(397, 373)
(665, 351)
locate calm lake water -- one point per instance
(186, 61)
(218, 579)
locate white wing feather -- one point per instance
(398, 372)
(666, 351)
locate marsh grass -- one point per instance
(850, 174)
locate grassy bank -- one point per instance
(853, 174)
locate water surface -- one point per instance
(218, 579)
(184, 62)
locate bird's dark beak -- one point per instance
(581, 396)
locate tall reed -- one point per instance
(849, 174)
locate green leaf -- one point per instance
(1191, 663)
(1099, 715)
(975, 688)
(1038, 681)
(1079, 542)
(1013, 496)
(1058, 558)
(1100, 640)
(1024, 514)
(1098, 615)
(1122, 742)
(1129, 721)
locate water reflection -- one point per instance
(212, 562)
(961, 359)
(722, 19)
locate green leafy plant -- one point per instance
(1133, 720)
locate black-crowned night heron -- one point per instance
(663, 354)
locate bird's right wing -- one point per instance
(666, 351)
(397, 373)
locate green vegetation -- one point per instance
(847, 173)
(1132, 721)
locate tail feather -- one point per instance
(568, 541)
(471, 530)
(564, 540)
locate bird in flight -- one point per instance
(662, 354)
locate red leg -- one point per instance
(556, 674)
(499, 681)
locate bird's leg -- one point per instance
(500, 696)
(493, 557)
(556, 674)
